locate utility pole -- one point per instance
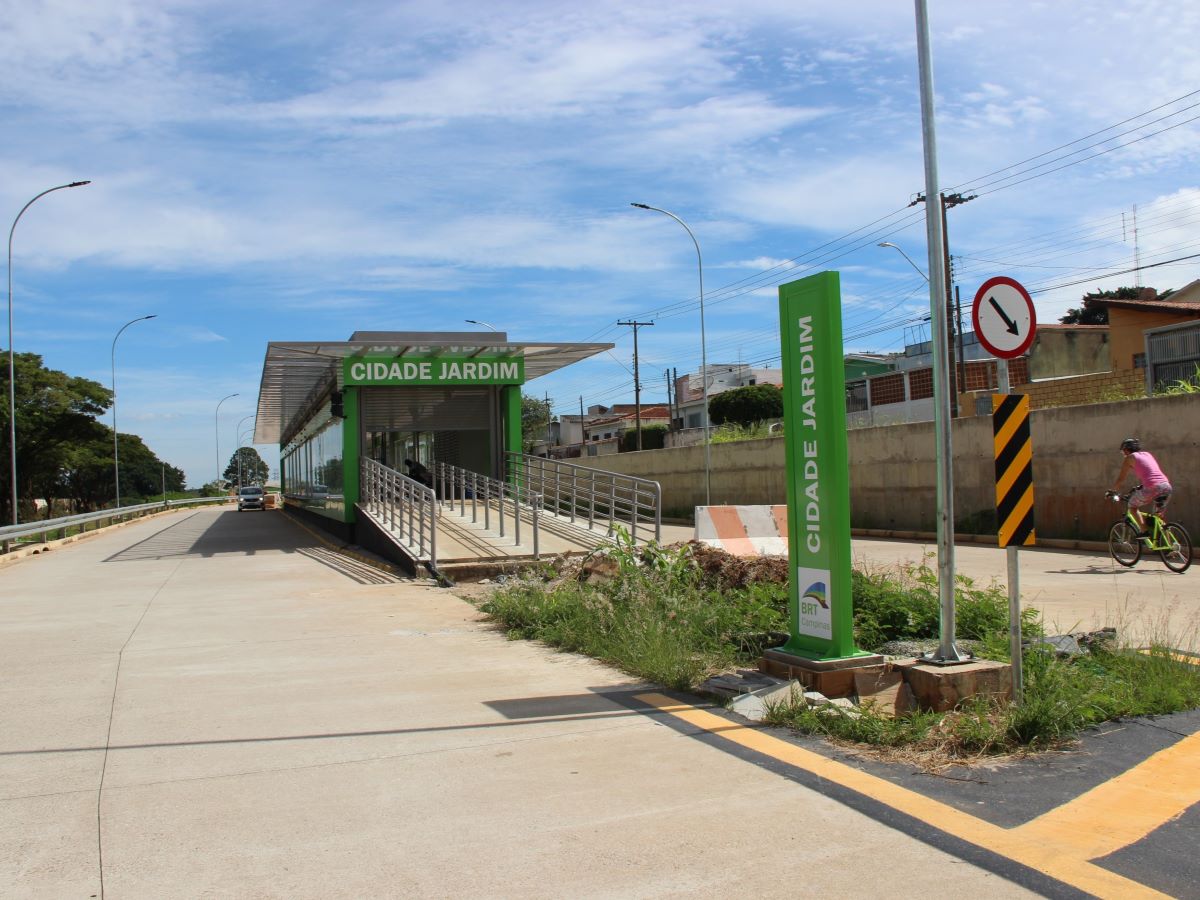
(670, 401)
(945, 202)
(582, 429)
(956, 384)
(675, 385)
(548, 432)
(637, 383)
(962, 354)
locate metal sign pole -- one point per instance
(1014, 581)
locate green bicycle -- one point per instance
(1169, 539)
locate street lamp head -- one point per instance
(640, 205)
(78, 183)
(886, 244)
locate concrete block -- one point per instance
(941, 688)
(753, 705)
(886, 692)
(749, 706)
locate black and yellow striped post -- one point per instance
(1014, 470)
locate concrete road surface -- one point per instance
(1074, 590)
(210, 703)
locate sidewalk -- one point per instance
(286, 722)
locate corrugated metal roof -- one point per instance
(297, 373)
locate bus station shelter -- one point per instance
(429, 397)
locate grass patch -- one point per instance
(730, 432)
(676, 617)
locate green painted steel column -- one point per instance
(351, 464)
(510, 408)
(821, 612)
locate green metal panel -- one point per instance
(821, 613)
(510, 411)
(351, 440)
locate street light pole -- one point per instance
(116, 453)
(905, 255)
(484, 324)
(237, 435)
(703, 352)
(947, 651)
(217, 432)
(12, 393)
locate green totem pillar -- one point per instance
(821, 613)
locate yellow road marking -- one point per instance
(1061, 861)
(1125, 809)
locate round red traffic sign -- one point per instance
(1003, 317)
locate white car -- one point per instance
(250, 497)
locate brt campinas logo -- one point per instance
(815, 592)
(814, 602)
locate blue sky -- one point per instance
(300, 170)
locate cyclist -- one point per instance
(1153, 487)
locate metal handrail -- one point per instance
(455, 484)
(45, 526)
(404, 506)
(585, 496)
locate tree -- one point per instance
(654, 437)
(253, 470)
(1087, 314)
(535, 417)
(746, 405)
(87, 473)
(56, 415)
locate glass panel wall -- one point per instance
(312, 468)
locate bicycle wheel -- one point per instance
(1123, 543)
(1178, 555)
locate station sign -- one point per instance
(432, 371)
(820, 604)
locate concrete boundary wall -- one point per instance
(893, 476)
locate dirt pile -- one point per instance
(732, 571)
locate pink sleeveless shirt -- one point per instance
(1146, 468)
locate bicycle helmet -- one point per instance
(1131, 444)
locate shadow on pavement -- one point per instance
(619, 706)
(230, 533)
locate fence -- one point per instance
(457, 485)
(407, 508)
(1172, 355)
(64, 524)
(587, 497)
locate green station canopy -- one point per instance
(297, 373)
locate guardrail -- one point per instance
(404, 506)
(46, 527)
(591, 497)
(475, 493)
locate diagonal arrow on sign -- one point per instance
(1010, 325)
